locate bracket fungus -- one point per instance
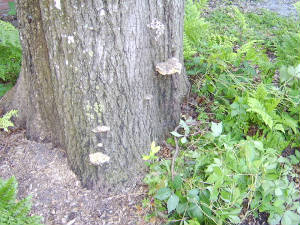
(100, 145)
(98, 158)
(169, 67)
(101, 129)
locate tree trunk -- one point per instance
(88, 81)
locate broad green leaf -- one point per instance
(272, 176)
(163, 193)
(290, 218)
(249, 150)
(274, 219)
(259, 145)
(183, 140)
(177, 182)
(226, 196)
(186, 128)
(174, 133)
(278, 191)
(289, 122)
(234, 219)
(236, 109)
(216, 129)
(192, 195)
(172, 202)
(204, 196)
(294, 160)
(297, 153)
(146, 157)
(154, 149)
(181, 208)
(195, 211)
(284, 74)
(214, 193)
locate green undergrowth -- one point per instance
(12, 211)
(10, 56)
(5, 120)
(237, 157)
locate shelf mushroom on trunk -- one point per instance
(169, 67)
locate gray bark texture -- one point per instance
(92, 63)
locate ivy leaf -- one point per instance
(290, 218)
(216, 129)
(172, 202)
(163, 193)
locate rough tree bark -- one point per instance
(92, 63)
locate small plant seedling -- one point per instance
(154, 149)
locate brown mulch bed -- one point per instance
(57, 196)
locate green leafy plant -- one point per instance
(154, 149)
(12, 211)
(233, 168)
(295, 159)
(5, 121)
(12, 8)
(10, 54)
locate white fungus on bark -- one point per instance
(169, 67)
(101, 129)
(70, 39)
(99, 145)
(98, 158)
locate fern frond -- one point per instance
(257, 107)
